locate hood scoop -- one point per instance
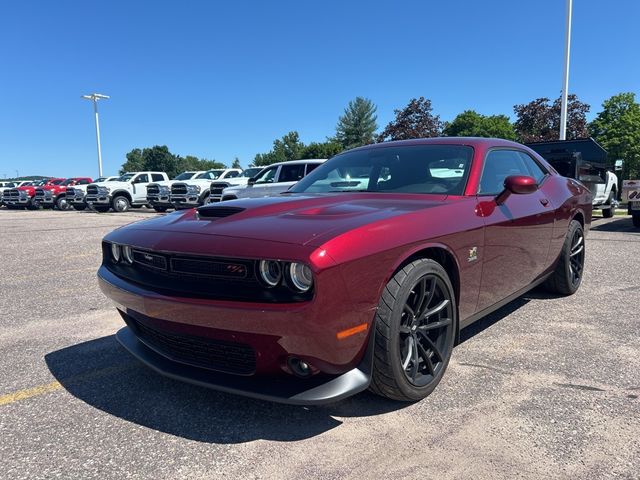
(218, 211)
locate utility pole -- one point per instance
(565, 80)
(94, 97)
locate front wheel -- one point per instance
(636, 220)
(415, 327)
(79, 206)
(62, 204)
(611, 210)
(120, 204)
(567, 276)
(160, 209)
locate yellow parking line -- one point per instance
(29, 392)
(54, 386)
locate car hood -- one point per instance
(113, 184)
(295, 218)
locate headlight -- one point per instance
(164, 189)
(301, 276)
(115, 252)
(127, 253)
(270, 272)
(193, 188)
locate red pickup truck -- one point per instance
(54, 194)
(23, 197)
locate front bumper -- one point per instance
(20, 202)
(76, 199)
(275, 334)
(187, 200)
(98, 199)
(159, 201)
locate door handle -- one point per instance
(544, 201)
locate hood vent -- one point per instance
(218, 211)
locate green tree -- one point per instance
(288, 148)
(416, 120)
(236, 163)
(193, 163)
(617, 129)
(322, 150)
(472, 124)
(134, 162)
(357, 125)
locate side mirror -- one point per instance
(517, 185)
(251, 181)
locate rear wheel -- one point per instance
(415, 326)
(611, 210)
(567, 276)
(120, 203)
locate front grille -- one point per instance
(153, 190)
(218, 211)
(12, 194)
(92, 190)
(39, 194)
(179, 189)
(217, 188)
(199, 276)
(218, 355)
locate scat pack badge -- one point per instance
(473, 254)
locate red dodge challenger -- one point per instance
(360, 276)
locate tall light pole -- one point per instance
(565, 80)
(94, 97)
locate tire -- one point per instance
(32, 206)
(120, 204)
(567, 276)
(101, 208)
(636, 220)
(79, 207)
(204, 200)
(611, 211)
(62, 204)
(411, 353)
(160, 209)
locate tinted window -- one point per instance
(291, 173)
(498, 165)
(144, 178)
(157, 177)
(232, 174)
(535, 170)
(312, 166)
(436, 169)
(83, 182)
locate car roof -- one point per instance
(296, 162)
(468, 141)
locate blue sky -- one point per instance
(224, 79)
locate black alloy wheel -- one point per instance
(425, 330)
(415, 329)
(567, 276)
(576, 257)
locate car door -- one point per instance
(263, 182)
(139, 183)
(518, 232)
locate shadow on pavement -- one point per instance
(104, 375)
(624, 224)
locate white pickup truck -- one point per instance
(195, 192)
(585, 160)
(130, 190)
(274, 179)
(216, 188)
(159, 193)
(75, 195)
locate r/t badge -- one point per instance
(473, 254)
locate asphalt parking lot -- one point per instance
(544, 388)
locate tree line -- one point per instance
(616, 128)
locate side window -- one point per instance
(535, 170)
(292, 173)
(233, 174)
(498, 165)
(267, 176)
(83, 182)
(157, 177)
(311, 167)
(143, 178)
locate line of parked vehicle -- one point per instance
(155, 189)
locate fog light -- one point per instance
(270, 272)
(127, 253)
(115, 252)
(299, 367)
(300, 276)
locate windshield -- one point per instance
(184, 176)
(56, 182)
(68, 181)
(126, 177)
(435, 169)
(251, 172)
(211, 174)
